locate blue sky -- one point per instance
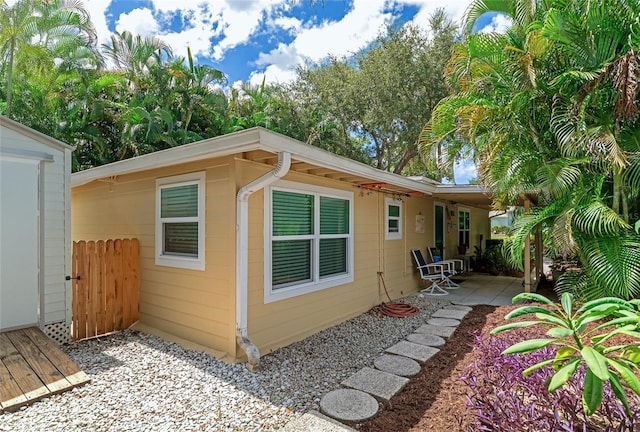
(252, 39)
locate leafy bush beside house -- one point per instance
(501, 399)
(566, 370)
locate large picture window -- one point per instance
(310, 242)
(180, 221)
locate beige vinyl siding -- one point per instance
(55, 178)
(200, 305)
(277, 324)
(192, 304)
(479, 224)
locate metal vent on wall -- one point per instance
(58, 332)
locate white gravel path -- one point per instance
(143, 383)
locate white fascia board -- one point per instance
(223, 145)
(6, 122)
(244, 141)
(467, 188)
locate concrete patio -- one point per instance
(476, 289)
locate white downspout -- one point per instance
(242, 259)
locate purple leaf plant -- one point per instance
(502, 400)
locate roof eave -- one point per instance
(34, 134)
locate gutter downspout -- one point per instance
(242, 250)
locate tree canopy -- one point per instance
(549, 109)
(384, 94)
(55, 79)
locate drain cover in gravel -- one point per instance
(348, 405)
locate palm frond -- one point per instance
(597, 219)
(613, 263)
(479, 7)
(559, 177)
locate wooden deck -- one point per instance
(33, 367)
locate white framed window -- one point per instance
(180, 208)
(464, 216)
(308, 239)
(393, 219)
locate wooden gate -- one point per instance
(105, 287)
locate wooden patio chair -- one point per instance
(433, 273)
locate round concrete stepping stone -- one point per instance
(348, 405)
(397, 365)
(426, 339)
(445, 322)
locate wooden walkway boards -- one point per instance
(33, 367)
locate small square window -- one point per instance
(180, 221)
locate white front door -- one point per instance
(19, 234)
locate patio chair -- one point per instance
(433, 273)
(451, 267)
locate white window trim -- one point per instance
(465, 210)
(193, 263)
(316, 284)
(387, 234)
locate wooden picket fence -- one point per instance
(106, 281)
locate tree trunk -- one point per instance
(404, 160)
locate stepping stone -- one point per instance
(381, 385)
(436, 330)
(448, 313)
(349, 405)
(445, 322)
(412, 350)
(313, 421)
(426, 339)
(397, 365)
(459, 307)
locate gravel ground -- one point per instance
(143, 383)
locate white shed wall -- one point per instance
(55, 222)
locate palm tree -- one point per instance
(551, 108)
(134, 55)
(34, 33)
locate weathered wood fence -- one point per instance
(106, 281)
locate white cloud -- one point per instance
(455, 9)
(464, 171)
(97, 10)
(138, 22)
(286, 23)
(499, 24)
(315, 42)
(360, 26)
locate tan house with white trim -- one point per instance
(253, 240)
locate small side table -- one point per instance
(466, 263)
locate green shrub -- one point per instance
(581, 347)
